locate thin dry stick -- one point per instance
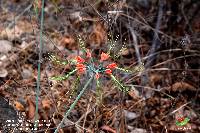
(168, 50)
(16, 18)
(87, 112)
(135, 44)
(175, 59)
(155, 43)
(179, 108)
(148, 26)
(97, 11)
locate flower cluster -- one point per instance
(82, 66)
(85, 64)
(95, 68)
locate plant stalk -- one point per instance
(39, 67)
(73, 104)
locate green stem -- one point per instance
(36, 8)
(73, 104)
(122, 69)
(60, 78)
(122, 88)
(39, 67)
(98, 92)
(116, 81)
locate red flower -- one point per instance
(108, 71)
(112, 65)
(104, 56)
(88, 53)
(97, 75)
(79, 59)
(81, 68)
(181, 119)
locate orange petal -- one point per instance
(97, 75)
(79, 59)
(80, 66)
(108, 71)
(81, 70)
(104, 56)
(112, 65)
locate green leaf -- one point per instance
(58, 78)
(186, 120)
(138, 68)
(98, 92)
(75, 86)
(121, 87)
(64, 77)
(124, 70)
(57, 60)
(81, 43)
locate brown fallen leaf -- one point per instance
(181, 86)
(107, 128)
(155, 78)
(19, 106)
(68, 42)
(31, 109)
(3, 72)
(134, 94)
(6, 46)
(46, 104)
(99, 35)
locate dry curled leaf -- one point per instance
(3, 73)
(155, 78)
(107, 128)
(46, 104)
(6, 46)
(31, 109)
(12, 33)
(19, 106)
(68, 42)
(181, 86)
(134, 93)
(98, 36)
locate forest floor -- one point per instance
(157, 43)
